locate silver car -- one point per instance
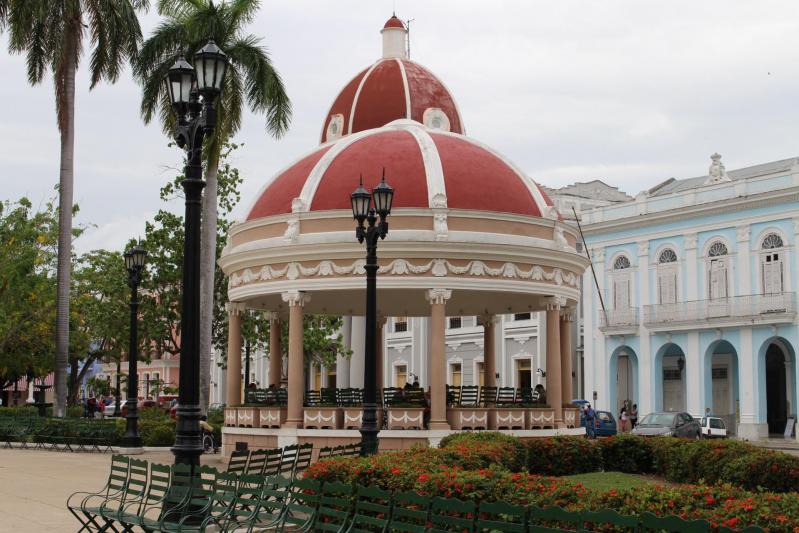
(669, 425)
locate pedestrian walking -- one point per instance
(623, 418)
(590, 421)
(634, 416)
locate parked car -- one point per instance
(111, 409)
(604, 423)
(713, 427)
(667, 424)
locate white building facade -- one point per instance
(696, 302)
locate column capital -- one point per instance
(381, 320)
(567, 314)
(643, 248)
(296, 298)
(796, 225)
(555, 303)
(489, 318)
(742, 233)
(271, 315)
(438, 296)
(690, 241)
(235, 308)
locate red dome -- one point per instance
(391, 89)
(394, 22)
(427, 168)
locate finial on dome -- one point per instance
(395, 36)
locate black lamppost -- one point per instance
(193, 91)
(362, 211)
(118, 400)
(134, 263)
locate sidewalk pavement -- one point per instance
(35, 485)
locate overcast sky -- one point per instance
(631, 92)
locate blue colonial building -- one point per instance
(696, 302)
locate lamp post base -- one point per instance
(370, 444)
(188, 437)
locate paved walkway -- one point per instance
(35, 485)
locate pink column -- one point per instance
(554, 392)
(438, 372)
(296, 301)
(566, 319)
(489, 351)
(275, 354)
(234, 341)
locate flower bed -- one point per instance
(485, 466)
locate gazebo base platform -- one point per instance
(400, 439)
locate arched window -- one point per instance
(771, 269)
(772, 241)
(717, 278)
(621, 283)
(621, 263)
(667, 256)
(667, 276)
(717, 249)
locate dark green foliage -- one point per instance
(562, 456)
(626, 453)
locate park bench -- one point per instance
(15, 429)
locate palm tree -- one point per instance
(52, 34)
(251, 78)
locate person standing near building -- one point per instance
(634, 416)
(590, 421)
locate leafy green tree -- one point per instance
(52, 34)
(251, 81)
(100, 321)
(28, 240)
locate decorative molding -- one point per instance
(296, 298)
(439, 201)
(742, 233)
(690, 241)
(489, 319)
(235, 308)
(438, 296)
(399, 267)
(440, 226)
(292, 232)
(796, 225)
(643, 248)
(298, 205)
(598, 255)
(554, 303)
(560, 238)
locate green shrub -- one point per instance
(562, 456)
(153, 413)
(21, 410)
(157, 433)
(626, 453)
(763, 469)
(483, 449)
(75, 411)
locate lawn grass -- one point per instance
(602, 481)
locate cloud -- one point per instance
(627, 91)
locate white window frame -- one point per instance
(476, 371)
(728, 267)
(454, 361)
(394, 365)
(785, 257)
(622, 275)
(670, 269)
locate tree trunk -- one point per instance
(64, 238)
(74, 382)
(207, 271)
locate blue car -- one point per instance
(604, 423)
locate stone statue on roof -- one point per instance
(717, 173)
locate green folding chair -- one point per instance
(335, 507)
(501, 516)
(410, 513)
(452, 515)
(372, 511)
(609, 517)
(84, 506)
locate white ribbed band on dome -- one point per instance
(407, 89)
(433, 170)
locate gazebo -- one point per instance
(471, 234)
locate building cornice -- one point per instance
(729, 205)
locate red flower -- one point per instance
(395, 470)
(710, 500)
